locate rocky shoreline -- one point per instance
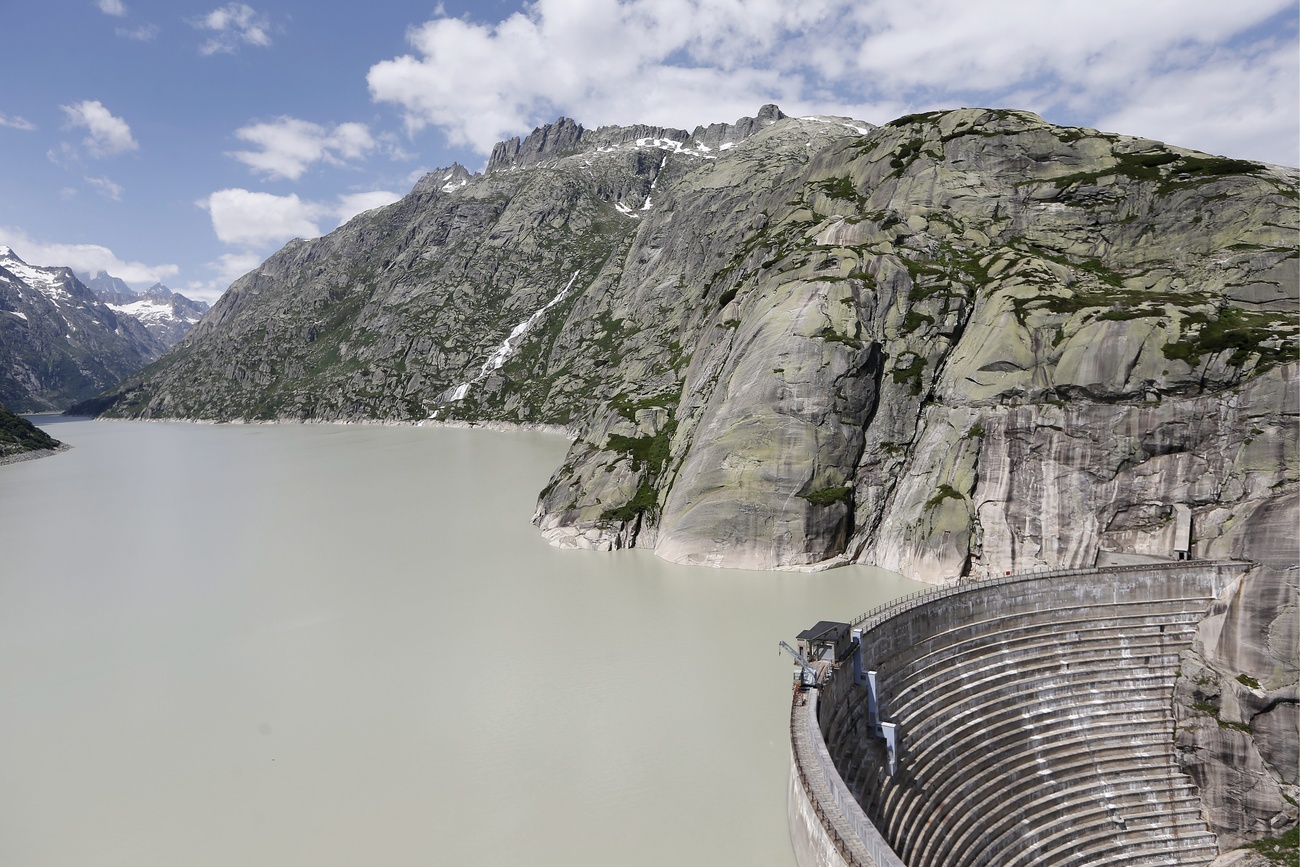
(32, 455)
(555, 429)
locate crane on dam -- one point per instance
(806, 677)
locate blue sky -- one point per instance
(186, 141)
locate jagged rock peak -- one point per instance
(101, 282)
(550, 140)
(54, 281)
(444, 179)
(715, 135)
(566, 136)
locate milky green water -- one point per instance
(333, 645)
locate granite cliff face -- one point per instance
(1237, 698)
(961, 343)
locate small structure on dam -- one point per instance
(827, 640)
(1023, 720)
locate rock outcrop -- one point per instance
(962, 343)
(973, 343)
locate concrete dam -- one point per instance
(1022, 720)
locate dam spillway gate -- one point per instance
(1033, 723)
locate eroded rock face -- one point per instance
(1016, 308)
(962, 343)
(1237, 699)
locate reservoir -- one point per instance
(342, 645)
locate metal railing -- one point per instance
(881, 613)
(812, 758)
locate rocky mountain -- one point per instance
(165, 314)
(960, 343)
(107, 287)
(59, 343)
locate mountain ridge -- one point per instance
(167, 315)
(58, 342)
(910, 345)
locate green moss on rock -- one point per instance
(828, 496)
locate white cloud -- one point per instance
(229, 268)
(108, 134)
(351, 204)
(84, 258)
(64, 156)
(1256, 120)
(253, 220)
(233, 25)
(289, 146)
(143, 33)
(16, 122)
(682, 62)
(112, 7)
(395, 148)
(106, 188)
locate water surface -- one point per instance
(338, 645)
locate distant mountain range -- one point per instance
(166, 314)
(62, 340)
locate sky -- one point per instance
(183, 142)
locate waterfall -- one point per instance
(507, 348)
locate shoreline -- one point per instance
(556, 429)
(32, 455)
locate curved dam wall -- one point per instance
(1032, 722)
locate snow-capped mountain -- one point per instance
(166, 314)
(107, 287)
(59, 343)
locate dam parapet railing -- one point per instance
(816, 781)
(829, 827)
(873, 618)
